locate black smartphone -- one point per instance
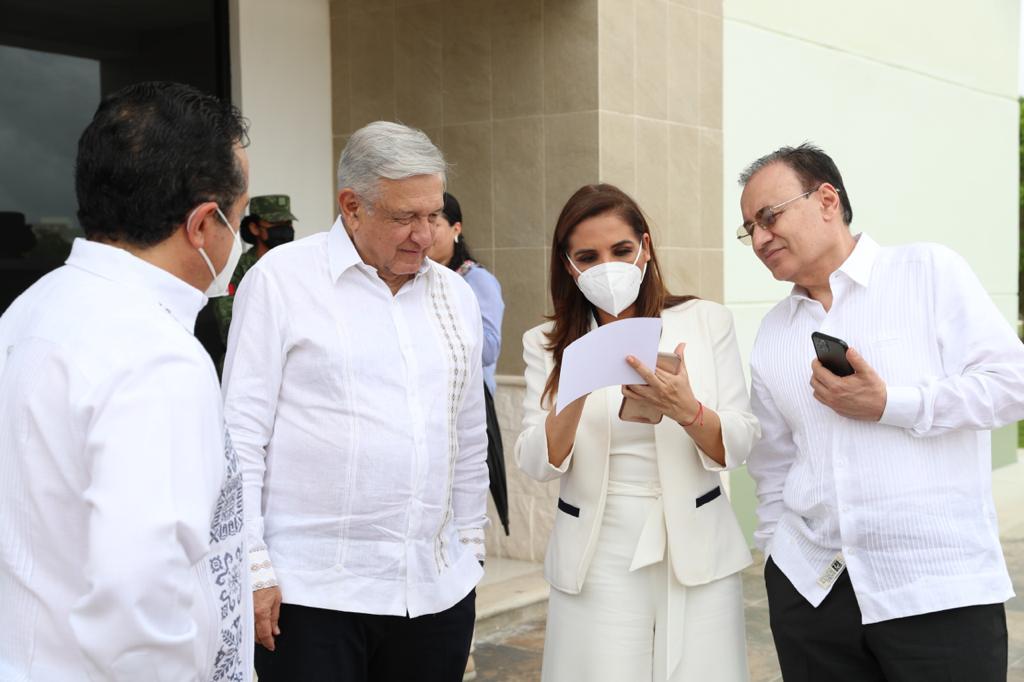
(832, 353)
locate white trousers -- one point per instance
(617, 628)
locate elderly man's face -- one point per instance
(394, 232)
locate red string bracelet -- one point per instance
(696, 417)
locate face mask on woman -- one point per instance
(612, 286)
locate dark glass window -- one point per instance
(58, 58)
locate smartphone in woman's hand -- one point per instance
(632, 410)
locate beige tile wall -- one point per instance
(529, 99)
(509, 90)
(660, 75)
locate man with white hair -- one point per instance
(354, 395)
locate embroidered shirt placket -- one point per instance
(226, 561)
(458, 355)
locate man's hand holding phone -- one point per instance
(860, 395)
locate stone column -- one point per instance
(530, 99)
(660, 81)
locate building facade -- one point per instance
(529, 99)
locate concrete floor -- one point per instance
(513, 654)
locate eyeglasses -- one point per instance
(766, 217)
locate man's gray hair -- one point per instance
(393, 151)
(763, 162)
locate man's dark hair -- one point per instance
(812, 166)
(151, 154)
(244, 232)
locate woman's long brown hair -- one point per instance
(572, 310)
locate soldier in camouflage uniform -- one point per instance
(268, 224)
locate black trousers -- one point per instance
(320, 645)
(829, 642)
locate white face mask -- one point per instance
(221, 280)
(613, 286)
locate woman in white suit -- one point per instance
(645, 553)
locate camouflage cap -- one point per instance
(274, 208)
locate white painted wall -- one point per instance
(915, 100)
(281, 80)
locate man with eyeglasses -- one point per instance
(875, 504)
(354, 392)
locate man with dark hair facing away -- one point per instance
(121, 547)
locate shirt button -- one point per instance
(848, 552)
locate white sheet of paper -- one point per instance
(598, 358)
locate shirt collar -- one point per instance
(859, 263)
(178, 297)
(342, 254)
(857, 267)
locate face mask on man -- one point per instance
(613, 286)
(280, 234)
(221, 280)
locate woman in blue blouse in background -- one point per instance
(450, 249)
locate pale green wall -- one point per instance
(1004, 446)
(917, 103)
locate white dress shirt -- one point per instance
(907, 500)
(121, 544)
(359, 419)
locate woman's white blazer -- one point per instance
(703, 535)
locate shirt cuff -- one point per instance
(473, 539)
(261, 571)
(902, 406)
(763, 539)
